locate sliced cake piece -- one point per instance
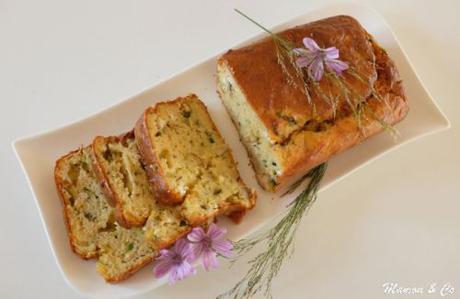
(286, 133)
(85, 208)
(122, 252)
(92, 229)
(124, 181)
(188, 162)
(118, 167)
(165, 226)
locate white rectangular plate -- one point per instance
(38, 154)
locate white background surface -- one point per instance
(396, 220)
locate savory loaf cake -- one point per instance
(92, 229)
(285, 132)
(188, 162)
(117, 165)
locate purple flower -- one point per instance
(314, 58)
(208, 244)
(176, 261)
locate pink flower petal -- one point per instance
(197, 250)
(215, 232)
(182, 271)
(331, 53)
(223, 247)
(301, 52)
(310, 44)
(210, 260)
(336, 65)
(316, 69)
(303, 61)
(166, 254)
(162, 268)
(196, 235)
(173, 276)
(182, 247)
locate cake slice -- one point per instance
(85, 208)
(123, 252)
(165, 226)
(285, 133)
(124, 182)
(188, 162)
(92, 229)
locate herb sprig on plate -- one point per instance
(308, 66)
(279, 242)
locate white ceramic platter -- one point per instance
(37, 154)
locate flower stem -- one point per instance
(273, 35)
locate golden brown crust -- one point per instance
(112, 197)
(237, 216)
(153, 168)
(312, 148)
(65, 201)
(237, 212)
(258, 74)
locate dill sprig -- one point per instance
(279, 240)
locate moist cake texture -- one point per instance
(118, 166)
(188, 162)
(92, 229)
